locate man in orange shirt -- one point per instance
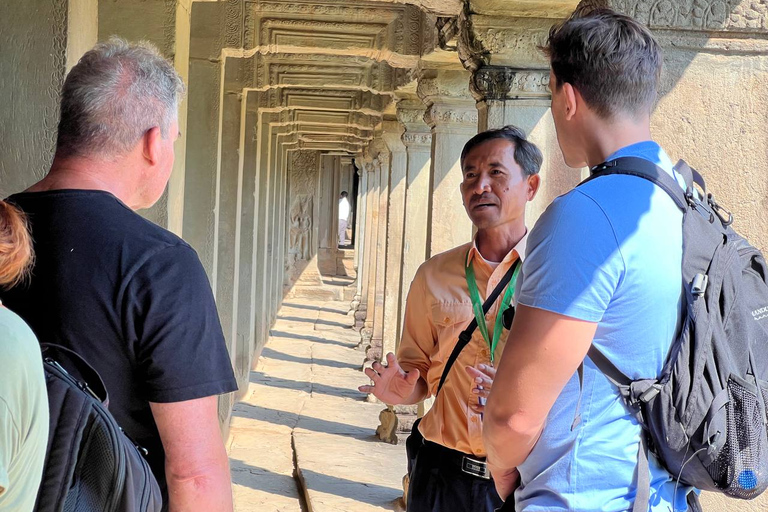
(500, 169)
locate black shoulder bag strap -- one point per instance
(645, 169)
(466, 334)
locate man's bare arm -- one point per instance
(543, 352)
(196, 463)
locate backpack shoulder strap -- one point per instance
(642, 168)
(466, 334)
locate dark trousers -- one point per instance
(438, 484)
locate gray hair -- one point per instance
(115, 93)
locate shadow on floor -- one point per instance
(313, 308)
(274, 354)
(373, 494)
(265, 480)
(271, 482)
(258, 377)
(314, 339)
(312, 321)
(293, 421)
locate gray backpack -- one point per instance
(705, 416)
(90, 464)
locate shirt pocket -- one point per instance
(450, 320)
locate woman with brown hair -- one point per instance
(23, 398)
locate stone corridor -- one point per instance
(303, 437)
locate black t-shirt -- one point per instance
(131, 298)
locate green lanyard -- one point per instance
(477, 306)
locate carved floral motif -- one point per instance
(417, 139)
(437, 115)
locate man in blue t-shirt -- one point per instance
(603, 266)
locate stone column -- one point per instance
(360, 218)
(258, 279)
(382, 162)
(452, 117)
(368, 304)
(417, 140)
(246, 265)
(392, 136)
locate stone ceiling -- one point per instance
(328, 72)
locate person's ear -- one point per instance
(534, 181)
(570, 103)
(152, 142)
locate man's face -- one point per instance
(494, 189)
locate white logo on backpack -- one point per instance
(761, 313)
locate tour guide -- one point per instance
(500, 175)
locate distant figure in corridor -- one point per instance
(23, 398)
(604, 268)
(130, 297)
(500, 176)
(344, 211)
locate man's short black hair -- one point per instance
(611, 59)
(344, 193)
(527, 155)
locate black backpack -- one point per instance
(705, 416)
(90, 464)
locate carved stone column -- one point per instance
(452, 117)
(364, 315)
(417, 140)
(396, 422)
(360, 237)
(392, 134)
(382, 161)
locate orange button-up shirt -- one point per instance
(437, 310)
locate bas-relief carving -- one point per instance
(715, 15)
(304, 169)
(233, 24)
(448, 114)
(346, 11)
(499, 40)
(300, 234)
(417, 139)
(499, 83)
(50, 121)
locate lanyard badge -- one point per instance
(477, 306)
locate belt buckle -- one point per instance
(476, 468)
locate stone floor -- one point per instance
(303, 438)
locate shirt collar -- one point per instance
(517, 252)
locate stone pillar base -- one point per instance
(396, 423)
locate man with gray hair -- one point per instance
(130, 297)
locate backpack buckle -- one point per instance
(650, 393)
(699, 284)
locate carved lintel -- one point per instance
(500, 83)
(706, 15)
(451, 114)
(417, 139)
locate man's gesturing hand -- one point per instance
(391, 384)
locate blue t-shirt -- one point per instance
(609, 252)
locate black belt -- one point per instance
(466, 463)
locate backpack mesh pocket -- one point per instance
(741, 468)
